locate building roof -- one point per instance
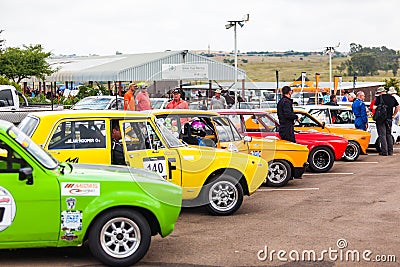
(134, 67)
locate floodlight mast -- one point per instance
(233, 23)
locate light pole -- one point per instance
(330, 50)
(233, 23)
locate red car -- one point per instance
(324, 148)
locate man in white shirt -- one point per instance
(392, 91)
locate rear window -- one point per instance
(28, 125)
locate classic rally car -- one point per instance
(44, 203)
(85, 137)
(286, 160)
(358, 139)
(324, 148)
(342, 116)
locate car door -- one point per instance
(77, 140)
(146, 148)
(29, 210)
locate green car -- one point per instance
(44, 203)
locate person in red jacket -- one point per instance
(177, 102)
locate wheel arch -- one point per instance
(231, 172)
(147, 214)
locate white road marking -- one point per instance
(287, 189)
(325, 173)
(353, 162)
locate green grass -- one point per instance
(262, 68)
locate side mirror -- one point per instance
(323, 125)
(26, 174)
(2, 103)
(247, 139)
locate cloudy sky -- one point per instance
(103, 27)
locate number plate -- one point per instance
(156, 164)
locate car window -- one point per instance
(140, 135)
(226, 130)
(305, 120)
(321, 114)
(10, 161)
(236, 120)
(7, 97)
(344, 117)
(36, 151)
(28, 125)
(79, 135)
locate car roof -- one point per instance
(183, 111)
(89, 113)
(308, 107)
(240, 111)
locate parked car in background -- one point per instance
(324, 148)
(358, 139)
(100, 102)
(286, 160)
(159, 103)
(45, 203)
(214, 178)
(342, 116)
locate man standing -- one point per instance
(177, 102)
(333, 100)
(143, 99)
(129, 97)
(385, 127)
(218, 101)
(286, 116)
(117, 151)
(360, 112)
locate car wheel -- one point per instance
(279, 173)
(120, 237)
(223, 195)
(321, 159)
(352, 151)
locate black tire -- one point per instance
(223, 195)
(352, 152)
(279, 173)
(321, 159)
(130, 229)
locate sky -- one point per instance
(103, 27)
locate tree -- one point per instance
(17, 64)
(392, 82)
(1, 42)
(365, 63)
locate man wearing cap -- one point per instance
(286, 115)
(218, 101)
(392, 91)
(385, 128)
(177, 102)
(360, 112)
(143, 99)
(129, 97)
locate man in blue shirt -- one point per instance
(360, 112)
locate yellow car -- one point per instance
(286, 160)
(358, 139)
(215, 178)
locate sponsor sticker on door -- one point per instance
(80, 189)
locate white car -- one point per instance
(345, 118)
(100, 102)
(159, 103)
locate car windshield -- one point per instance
(92, 103)
(157, 103)
(169, 137)
(36, 151)
(28, 125)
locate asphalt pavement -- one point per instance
(347, 217)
